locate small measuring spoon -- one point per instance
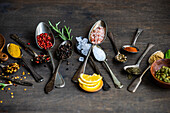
(106, 86)
(135, 84)
(3, 56)
(35, 75)
(119, 57)
(139, 31)
(36, 57)
(83, 67)
(59, 82)
(100, 55)
(140, 59)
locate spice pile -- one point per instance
(13, 67)
(44, 41)
(97, 35)
(14, 50)
(131, 49)
(64, 51)
(163, 74)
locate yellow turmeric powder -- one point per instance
(14, 50)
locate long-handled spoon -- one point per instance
(119, 57)
(140, 59)
(59, 82)
(82, 68)
(139, 31)
(135, 84)
(100, 55)
(35, 75)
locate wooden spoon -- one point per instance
(3, 56)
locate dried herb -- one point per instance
(64, 33)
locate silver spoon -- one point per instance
(59, 82)
(100, 55)
(82, 68)
(119, 57)
(139, 31)
(140, 59)
(35, 75)
(135, 84)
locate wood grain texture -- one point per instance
(123, 17)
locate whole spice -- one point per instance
(167, 54)
(131, 49)
(163, 74)
(121, 58)
(64, 51)
(133, 70)
(13, 67)
(14, 50)
(158, 55)
(44, 41)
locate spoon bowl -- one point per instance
(125, 46)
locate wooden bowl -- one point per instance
(156, 66)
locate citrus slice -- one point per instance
(87, 84)
(92, 89)
(90, 78)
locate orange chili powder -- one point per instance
(131, 49)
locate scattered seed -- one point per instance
(28, 73)
(25, 89)
(12, 96)
(2, 89)
(1, 101)
(23, 73)
(21, 79)
(25, 77)
(28, 43)
(9, 88)
(12, 93)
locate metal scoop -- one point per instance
(119, 57)
(59, 81)
(35, 75)
(100, 55)
(140, 59)
(135, 84)
(3, 56)
(139, 31)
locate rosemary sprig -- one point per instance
(66, 30)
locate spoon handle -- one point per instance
(52, 60)
(135, 84)
(106, 86)
(81, 68)
(50, 85)
(35, 75)
(17, 39)
(110, 35)
(139, 31)
(115, 80)
(143, 55)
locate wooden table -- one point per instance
(123, 17)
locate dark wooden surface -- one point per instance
(123, 17)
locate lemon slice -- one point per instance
(87, 84)
(93, 88)
(90, 78)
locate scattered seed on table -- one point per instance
(28, 43)
(23, 73)
(25, 89)
(2, 89)
(9, 88)
(28, 73)
(21, 79)
(12, 96)
(1, 101)
(12, 93)
(25, 77)
(2, 73)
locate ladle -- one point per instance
(82, 68)
(135, 84)
(106, 86)
(59, 82)
(119, 57)
(100, 55)
(140, 59)
(139, 31)
(3, 56)
(35, 75)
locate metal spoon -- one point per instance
(35, 75)
(135, 84)
(119, 57)
(82, 68)
(140, 59)
(100, 55)
(59, 82)
(106, 86)
(139, 31)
